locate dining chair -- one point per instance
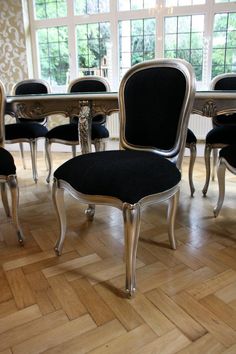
(28, 130)
(8, 174)
(68, 134)
(224, 128)
(227, 160)
(147, 168)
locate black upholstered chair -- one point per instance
(68, 134)
(8, 174)
(155, 99)
(224, 128)
(25, 130)
(227, 160)
(191, 144)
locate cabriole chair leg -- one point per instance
(131, 215)
(193, 153)
(5, 199)
(207, 156)
(13, 186)
(22, 155)
(214, 163)
(221, 183)
(33, 150)
(49, 159)
(171, 215)
(59, 204)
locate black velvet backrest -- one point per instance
(90, 84)
(31, 87)
(224, 82)
(2, 112)
(154, 105)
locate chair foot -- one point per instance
(90, 211)
(130, 293)
(20, 238)
(58, 251)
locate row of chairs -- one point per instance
(29, 131)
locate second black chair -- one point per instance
(68, 134)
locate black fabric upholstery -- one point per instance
(225, 83)
(88, 86)
(229, 153)
(191, 138)
(29, 130)
(222, 135)
(7, 165)
(30, 88)
(146, 122)
(126, 175)
(69, 132)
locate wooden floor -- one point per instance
(185, 300)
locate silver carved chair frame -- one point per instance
(223, 164)
(215, 146)
(43, 121)
(99, 143)
(8, 179)
(171, 156)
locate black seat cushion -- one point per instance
(69, 132)
(25, 130)
(221, 135)
(225, 119)
(191, 138)
(7, 165)
(126, 175)
(229, 153)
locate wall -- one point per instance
(13, 62)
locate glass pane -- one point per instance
(184, 41)
(170, 41)
(184, 23)
(136, 27)
(170, 24)
(54, 54)
(220, 22)
(94, 50)
(50, 9)
(82, 7)
(136, 4)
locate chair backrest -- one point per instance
(224, 82)
(90, 84)
(30, 87)
(2, 113)
(156, 99)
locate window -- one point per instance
(53, 54)
(184, 39)
(71, 38)
(93, 48)
(137, 42)
(224, 44)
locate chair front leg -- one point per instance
(33, 150)
(193, 153)
(131, 215)
(221, 182)
(5, 200)
(13, 186)
(171, 215)
(59, 204)
(73, 150)
(49, 159)
(207, 156)
(100, 145)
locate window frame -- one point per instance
(209, 9)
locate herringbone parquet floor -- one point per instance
(185, 300)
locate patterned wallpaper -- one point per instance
(13, 63)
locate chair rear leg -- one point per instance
(49, 159)
(33, 150)
(59, 204)
(73, 150)
(131, 216)
(22, 155)
(171, 215)
(13, 185)
(207, 156)
(5, 199)
(221, 182)
(193, 153)
(100, 145)
(214, 163)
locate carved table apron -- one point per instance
(206, 103)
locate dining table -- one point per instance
(86, 105)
